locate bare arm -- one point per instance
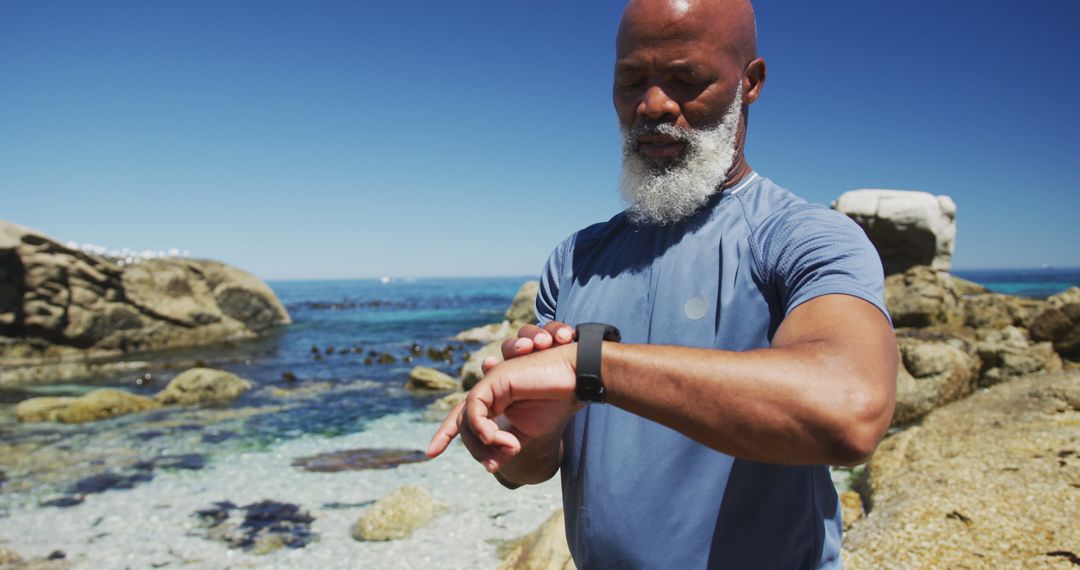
(822, 393)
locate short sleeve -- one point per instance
(550, 281)
(807, 250)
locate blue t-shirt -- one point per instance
(641, 495)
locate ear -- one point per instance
(753, 80)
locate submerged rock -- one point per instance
(397, 515)
(202, 386)
(266, 525)
(987, 482)
(426, 379)
(108, 481)
(542, 549)
(358, 460)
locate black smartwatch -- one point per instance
(590, 340)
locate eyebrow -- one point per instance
(677, 66)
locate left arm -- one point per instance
(821, 394)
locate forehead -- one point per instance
(669, 30)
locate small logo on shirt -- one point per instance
(696, 308)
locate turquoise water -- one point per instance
(1037, 283)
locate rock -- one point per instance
(108, 481)
(358, 460)
(426, 379)
(1007, 353)
(486, 333)
(61, 306)
(935, 368)
(1061, 326)
(472, 371)
(96, 405)
(986, 482)
(201, 386)
(1070, 296)
(922, 297)
(266, 525)
(8, 556)
(907, 228)
(397, 515)
(437, 410)
(45, 409)
(522, 309)
(996, 311)
(851, 508)
(542, 549)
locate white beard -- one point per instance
(672, 194)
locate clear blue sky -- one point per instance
(356, 139)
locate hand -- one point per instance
(521, 400)
(531, 338)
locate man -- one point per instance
(755, 345)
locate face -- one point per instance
(671, 69)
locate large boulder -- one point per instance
(922, 297)
(424, 379)
(907, 228)
(986, 482)
(1070, 296)
(97, 405)
(522, 309)
(997, 311)
(1061, 326)
(202, 386)
(398, 514)
(542, 549)
(59, 304)
(935, 368)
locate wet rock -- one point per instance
(104, 403)
(984, 482)
(217, 437)
(288, 377)
(358, 460)
(108, 481)
(424, 379)
(397, 515)
(266, 526)
(64, 502)
(203, 385)
(186, 461)
(306, 390)
(907, 228)
(542, 549)
(45, 409)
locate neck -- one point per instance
(736, 173)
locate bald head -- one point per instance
(727, 25)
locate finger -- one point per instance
(561, 332)
(489, 363)
(446, 432)
(491, 457)
(512, 347)
(480, 413)
(541, 338)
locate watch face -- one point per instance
(589, 388)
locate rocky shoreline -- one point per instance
(980, 469)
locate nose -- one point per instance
(656, 104)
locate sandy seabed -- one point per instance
(153, 525)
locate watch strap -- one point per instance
(590, 341)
